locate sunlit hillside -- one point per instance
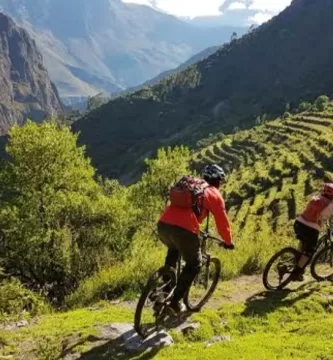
(273, 169)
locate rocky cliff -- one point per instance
(25, 88)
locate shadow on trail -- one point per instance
(115, 349)
(266, 302)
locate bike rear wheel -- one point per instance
(322, 264)
(277, 274)
(151, 304)
(203, 285)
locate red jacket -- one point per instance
(186, 219)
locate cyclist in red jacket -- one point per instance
(308, 226)
(179, 229)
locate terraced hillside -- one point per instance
(273, 169)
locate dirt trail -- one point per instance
(236, 291)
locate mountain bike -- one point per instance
(283, 263)
(159, 290)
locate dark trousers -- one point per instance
(181, 242)
(308, 236)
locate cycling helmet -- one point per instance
(328, 191)
(214, 172)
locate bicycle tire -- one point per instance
(205, 299)
(315, 261)
(282, 285)
(164, 271)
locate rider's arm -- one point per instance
(217, 208)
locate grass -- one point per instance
(52, 335)
(293, 324)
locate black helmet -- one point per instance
(213, 172)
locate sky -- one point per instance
(259, 10)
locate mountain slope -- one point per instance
(285, 60)
(273, 169)
(192, 60)
(26, 90)
(92, 46)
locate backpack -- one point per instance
(188, 193)
(315, 208)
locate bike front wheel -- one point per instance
(322, 264)
(203, 285)
(152, 301)
(277, 273)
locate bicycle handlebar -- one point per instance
(220, 242)
(207, 235)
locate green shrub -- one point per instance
(322, 102)
(57, 223)
(16, 300)
(129, 276)
(304, 106)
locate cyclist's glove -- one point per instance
(228, 246)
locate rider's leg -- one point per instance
(189, 247)
(165, 235)
(172, 257)
(308, 242)
(304, 258)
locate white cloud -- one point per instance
(193, 8)
(273, 6)
(185, 8)
(140, 2)
(237, 6)
(259, 18)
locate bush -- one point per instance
(16, 300)
(129, 276)
(304, 106)
(322, 102)
(58, 225)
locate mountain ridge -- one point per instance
(192, 60)
(91, 46)
(280, 63)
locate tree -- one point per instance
(234, 36)
(150, 194)
(322, 102)
(288, 107)
(264, 118)
(58, 226)
(96, 101)
(304, 106)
